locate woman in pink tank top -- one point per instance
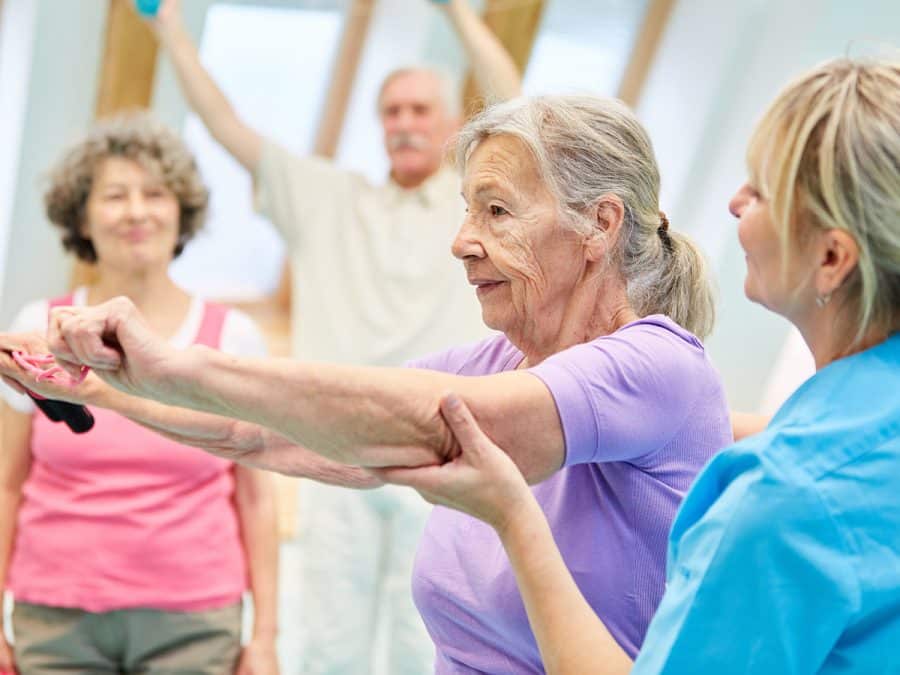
(125, 551)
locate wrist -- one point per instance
(177, 373)
(171, 32)
(520, 521)
(265, 634)
(98, 393)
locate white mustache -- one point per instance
(402, 139)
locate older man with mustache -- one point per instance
(372, 284)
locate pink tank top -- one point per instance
(121, 517)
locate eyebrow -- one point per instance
(490, 188)
(117, 184)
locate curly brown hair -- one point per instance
(136, 136)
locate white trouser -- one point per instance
(356, 615)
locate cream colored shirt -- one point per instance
(374, 281)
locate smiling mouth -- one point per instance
(483, 288)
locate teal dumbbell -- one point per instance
(147, 7)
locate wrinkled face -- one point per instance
(523, 264)
(131, 217)
(416, 125)
(784, 290)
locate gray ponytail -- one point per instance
(586, 147)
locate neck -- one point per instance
(830, 336)
(599, 306)
(410, 181)
(159, 299)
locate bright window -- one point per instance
(583, 46)
(273, 64)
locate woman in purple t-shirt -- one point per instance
(597, 383)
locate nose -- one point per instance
(137, 205)
(739, 201)
(466, 244)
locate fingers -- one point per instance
(76, 337)
(423, 478)
(462, 424)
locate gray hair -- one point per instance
(450, 95)
(587, 147)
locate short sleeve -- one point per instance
(32, 318)
(624, 396)
(241, 336)
(761, 586)
(297, 193)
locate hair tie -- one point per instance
(663, 232)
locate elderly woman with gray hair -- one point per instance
(597, 383)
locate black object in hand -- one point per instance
(77, 417)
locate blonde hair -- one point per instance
(587, 147)
(826, 155)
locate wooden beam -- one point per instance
(516, 25)
(346, 64)
(127, 71)
(129, 61)
(642, 53)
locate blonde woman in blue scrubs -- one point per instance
(785, 554)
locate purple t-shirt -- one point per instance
(642, 411)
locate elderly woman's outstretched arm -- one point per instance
(231, 439)
(352, 415)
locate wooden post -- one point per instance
(516, 25)
(129, 61)
(644, 49)
(126, 78)
(331, 122)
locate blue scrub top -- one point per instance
(785, 554)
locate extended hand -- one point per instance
(28, 343)
(7, 662)
(166, 16)
(258, 657)
(114, 340)
(21, 378)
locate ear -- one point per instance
(609, 215)
(838, 257)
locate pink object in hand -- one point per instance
(33, 364)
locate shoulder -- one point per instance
(241, 335)
(279, 163)
(745, 507)
(652, 360)
(32, 317)
(490, 355)
(658, 340)
(842, 415)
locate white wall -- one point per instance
(59, 104)
(718, 66)
(17, 21)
